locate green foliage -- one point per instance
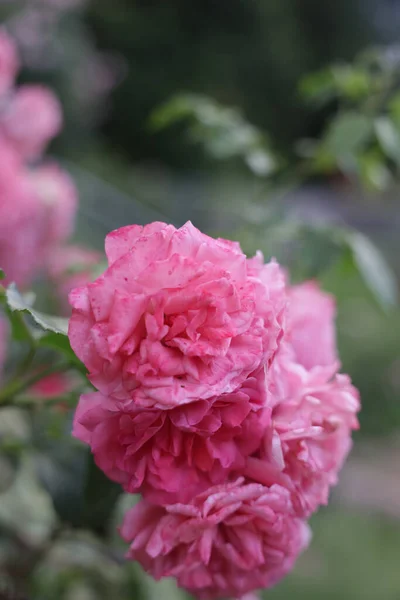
(82, 495)
(247, 54)
(223, 132)
(373, 269)
(362, 140)
(18, 303)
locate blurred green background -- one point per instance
(113, 64)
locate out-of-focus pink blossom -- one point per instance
(22, 220)
(171, 455)
(56, 191)
(314, 407)
(177, 317)
(31, 119)
(226, 542)
(311, 325)
(8, 62)
(51, 386)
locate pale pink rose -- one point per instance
(9, 63)
(22, 221)
(310, 437)
(171, 455)
(70, 267)
(178, 316)
(314, 408)
(31, 119)
(56, 191)
(228, 541)
(312, 325)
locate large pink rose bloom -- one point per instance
(8, 62)
(226, 542)
(31, 119)
(178, 316)
(171, 455)
(22, 221)
(314, 407)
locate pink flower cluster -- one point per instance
(38, 200)
(218, 399)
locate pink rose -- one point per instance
(177, 317)
(8, 62)
(312, 325)
(31, 119)
(314, 408)
(51, 386)
(171, 455)
(226, 542)
(56, 191)
(22, 221)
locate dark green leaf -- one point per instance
(100, 497)
(315, 250)
(351, 82)
(2, 274)
(16, 302)
(373, 171)
(176, 109)
(222, 131)
(374, 269)
(60, 343)
(318, 87)
(82, 495)
(388, 137)
(347, 134)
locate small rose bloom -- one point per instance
(171, 455)
(32, 118)
(51, 386)
(312, 325)
(9, 63)
(178, 316)
(314, 408)
(229, 541)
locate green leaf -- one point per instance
(318, 87)
(388, 137)
(223, 131)
(374, 269)
(60, 343)
(82, 495)
(100, 496)
(176, 109)
(347, 135)
(2, 275)
(315, 250)
(351, 82)
(373, 172)
(17, 303)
